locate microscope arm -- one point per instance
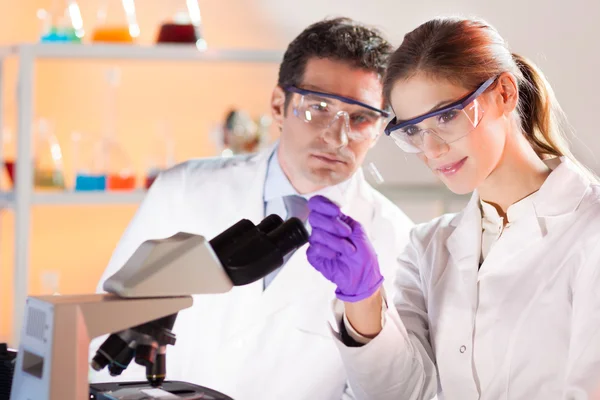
(75, 321)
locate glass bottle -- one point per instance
(184, 26)
(48, 158)
(116, 22)
(88, 162)
(62, 22)
(120, 172)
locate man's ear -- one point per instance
(278, 106)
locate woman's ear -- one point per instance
(509, 92)
(278, 106)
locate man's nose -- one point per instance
(337, 132)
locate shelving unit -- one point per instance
(24, 196)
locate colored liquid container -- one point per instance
(150, 180)
(60, 35)
(178, 33)
(112, 34)
(10, 169)
(48, 179)
(89, 182)
(120, 182)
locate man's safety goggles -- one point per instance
(360, 121)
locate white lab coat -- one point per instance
(526, 325)
(249, 343)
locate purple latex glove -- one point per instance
(340, 250)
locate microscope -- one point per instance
(139, 311)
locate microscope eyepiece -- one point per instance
(258, 253)
(270, 223)
(289, 236)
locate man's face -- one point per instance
(314, 157)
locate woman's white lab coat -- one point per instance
(525, 325)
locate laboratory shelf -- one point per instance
(24, 196)
(7, 199)
(168, 52)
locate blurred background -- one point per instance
(145, 115)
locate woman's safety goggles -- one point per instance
(359, 121)
(447, 124)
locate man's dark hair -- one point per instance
(340, 39)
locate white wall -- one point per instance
(562, 37)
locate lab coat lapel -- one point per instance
(464, 243)
(251, 204)
(244, 300)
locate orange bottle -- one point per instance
(116, 22)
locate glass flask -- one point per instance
(62, 22)
(162, 154)
(88, 162)
(48, 158)
(120, 175)
(116, 22)
(184, 24)
(119, 169)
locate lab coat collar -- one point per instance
(561, 194)
(251, 174)
(563, 190)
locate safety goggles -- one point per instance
(359, 121)
(446, 125)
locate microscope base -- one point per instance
(170, 390)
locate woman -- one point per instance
(499, 301)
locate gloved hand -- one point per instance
(340, 250)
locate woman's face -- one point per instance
(463, 164)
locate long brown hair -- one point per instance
(470, 51)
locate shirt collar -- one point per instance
(515, 211)
(277, 185)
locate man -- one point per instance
(270, 339)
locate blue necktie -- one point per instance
(296, 206)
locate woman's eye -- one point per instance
(448, 116)
(411, 130)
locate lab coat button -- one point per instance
(463, 349)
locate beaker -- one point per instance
(88, 162)
(62, 22)
(48, 158)
(116, 22)
(184, 26)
